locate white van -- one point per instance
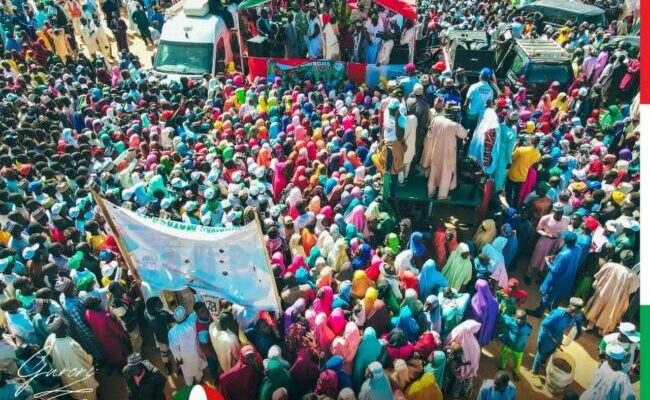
(193, 42)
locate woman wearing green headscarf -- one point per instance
(350, 233)
(385, 225)
(392, 242)
(166, 163)
(313, 256)
(276, 377)
(458, 270)
(612, 116)
(228, 153)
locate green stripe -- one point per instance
(251, 3)
(645, 356)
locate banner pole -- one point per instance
(118, 239)
(268, 263)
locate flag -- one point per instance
(229, 262)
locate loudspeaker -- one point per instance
(400, 54)
(258, 47)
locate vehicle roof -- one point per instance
(182, 28)
(572, 6)
(466, 35)
(627, 38)
(547, 50)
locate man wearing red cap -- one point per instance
(410, 80)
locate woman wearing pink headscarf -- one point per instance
(279, 181)
(346, 345)
(464, 356)
(358, 219)
(336, 321)
(322, 332)
(324, 300)
(115, 80)
(297, 263)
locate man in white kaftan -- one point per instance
(226, 345)
(71, 361)
(444, 133)
(184, 346)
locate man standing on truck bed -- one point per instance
(477, 96)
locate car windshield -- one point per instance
(548, 73)
(517, 67)
(184, 58)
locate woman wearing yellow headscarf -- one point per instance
(295, 247)
(369, 299)
(561, 102)
(564, 34)
(360, 284)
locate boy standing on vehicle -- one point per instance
(477, 96)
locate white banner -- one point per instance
(170, 255)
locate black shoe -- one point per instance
(534, 313)
(527, 280)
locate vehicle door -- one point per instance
(219, 64)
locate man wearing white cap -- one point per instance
(184, 346)
(610, 382)
(71, 361)
(628, 338)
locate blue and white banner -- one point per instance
(168, 255)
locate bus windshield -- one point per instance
(184, 58)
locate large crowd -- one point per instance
(375, 305)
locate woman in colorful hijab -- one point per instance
(243, 380)
(484, 309)
(485, 233)
(611, 117)
(370, 350)
(458, 270)
(362, 258)
(494, 251)
(430, 280)
(462, 341)
(406, 323)
(417, 248)
(276, 377)
(377, 386)
(346, 345)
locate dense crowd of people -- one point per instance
(375, 305)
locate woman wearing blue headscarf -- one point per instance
(335, 363)
(407, 323)
(362, 152)
(417, 248)
(430, 281)
(342, 298)
(329, 186)
(368, 196)
(362, 258)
